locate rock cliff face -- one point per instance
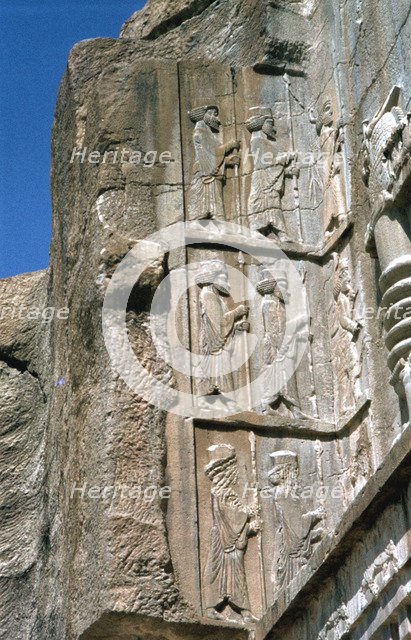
(89, 546)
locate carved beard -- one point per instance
(221, 289)
(213, 122)
(269, 130)
(223, 485)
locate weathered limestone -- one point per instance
(24, 535)
(290, 518)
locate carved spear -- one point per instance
(237, 194)
(292, 145)
(241, 265)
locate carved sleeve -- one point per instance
(221, 323)
(344, 315)
(210, 159)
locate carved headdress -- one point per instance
(379, 137)
(391, 105)
(269, 282)
(258, 115)
(340, 266)
(285, 463)
(197, 114)
(210, 270)
(283, 457)
(319, 119)
(223, 458)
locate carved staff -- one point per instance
(253, 444)
(237, 178)
(292, 146)
(233, 161)
(237, 194)
(241, 265)
(303, 275)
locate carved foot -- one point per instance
(299, 415)
(282, 237)
(248, 617)
(214, 614)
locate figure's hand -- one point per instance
(233, 160)
(255, 522)
(255, 526)
(295, 170)
(282, 158)
(317, 515)
(243, 326)
(233, 145)
(252, 509)
(317, 535)
(241, 311)
(359, 324)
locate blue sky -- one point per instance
(36, 37)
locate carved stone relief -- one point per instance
(405, 378)
(270, 171)
(220, 323)
(275, 296)
(258, 529)
(296, 532)
(331, 135)
(255, 529)
(344, 333)
(270, 191)
(378, 575)
(212, 157)
(227, 329)
(337, 626)
(387, 173)
(229, 525)
(225, 582)
(386, 146)
(361, 464)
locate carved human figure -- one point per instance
(219, 323)
(212, 157)
(387, 154)
(269, 174)
(225, 583)
(296, 532)
(337, 626)
(344, 331)
(406, 138)
(384, 567)
(385, 149)
(276, 350)
(331, 141)
(405, 378)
